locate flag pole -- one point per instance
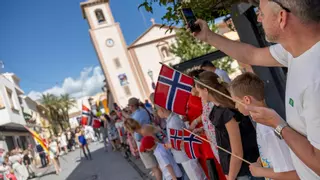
(219, 147)
(211, 88)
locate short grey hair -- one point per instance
(308, 11)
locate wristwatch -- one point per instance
(279, 128)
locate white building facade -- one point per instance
(12, 132)
(127, 68)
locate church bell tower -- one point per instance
(112, 52)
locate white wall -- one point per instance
(149, 58)
(155, 33)
(7, 114)
(119, 51)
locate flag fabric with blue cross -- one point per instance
(173, 90)
(192, 145)
(86, 116)
(176, 137)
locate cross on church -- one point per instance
(153, 21)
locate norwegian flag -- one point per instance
(86, 115)
(195, 148)
(173, 90)
(176, 137)
(192, 145)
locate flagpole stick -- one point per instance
(213, 89)
(219, 147)
(222, 94)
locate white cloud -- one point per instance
(89, 83)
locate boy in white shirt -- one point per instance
(168, 166)
(275, 161)
(191, 166)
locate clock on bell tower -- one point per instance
(112, 52)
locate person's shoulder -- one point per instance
(280, 54)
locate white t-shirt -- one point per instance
(223, 74)
(302, 98)
(164, 159)
(175, 122)
(274, 152)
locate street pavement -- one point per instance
(104, 166)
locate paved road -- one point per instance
(104, 166)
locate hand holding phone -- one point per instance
(190, 19)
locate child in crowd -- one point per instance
(191, 166)
(168, 166)
(82, 141)
(132, 145)
(234, 132)
(119, 125)
(275, 160)
(156, 132)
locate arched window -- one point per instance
(165, 52)
(99, 15)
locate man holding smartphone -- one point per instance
(294, 24)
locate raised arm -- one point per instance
(242, 52)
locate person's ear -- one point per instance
(283, 19)
(247, 100)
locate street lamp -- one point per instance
(150, 73)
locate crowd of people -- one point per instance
(244, 124)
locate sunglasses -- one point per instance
(277, 2)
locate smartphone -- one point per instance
(190, 19)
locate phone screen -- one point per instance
(190, 19)
(188, 14)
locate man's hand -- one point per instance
(205, 31)
(255, 169)
(266, 116)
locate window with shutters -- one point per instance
(127, 90)
(117, 63)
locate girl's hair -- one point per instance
(150, 129)
(212, 80)
(113, 112)
(107, 118)
(131, 125)
(195, 74)
(77, 129)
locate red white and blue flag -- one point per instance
(173, 90)
(192, 145)
(176, 137)
(86, 116)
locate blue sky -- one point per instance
(47, 45)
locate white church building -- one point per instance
(129, 70)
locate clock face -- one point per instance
(109, 42)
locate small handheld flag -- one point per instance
(173, 90)
(86, 115)
(176, 137)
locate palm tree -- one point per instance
(50, 102)
(58, 109)
(67, 103)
